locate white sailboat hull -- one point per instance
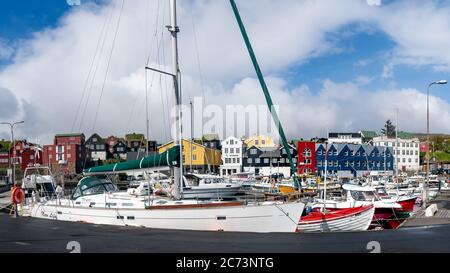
(263, 218)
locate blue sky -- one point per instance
(363, 51)
(359, 44)
(20, 18)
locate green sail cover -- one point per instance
(169, 158)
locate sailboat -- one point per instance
(98, 201)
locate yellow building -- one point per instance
(260, 141)
(201, 156)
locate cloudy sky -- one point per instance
(330, 65)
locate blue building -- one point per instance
(354, 159)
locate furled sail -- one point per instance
(169, 158)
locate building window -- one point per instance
(231, 150)
(274, 160)
(346, 163)
(336, 163)
(249, 161)
(319, 152)
(307, 161)
(253, 151)
(257, 160)
(319, 164)
(266, 161)
(194, 157)
(263, 142)
(282, 160)
(226, 150)
(238, 160)
(256, 142)
(307, 152)
(234, 160)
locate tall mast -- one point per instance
(173, 29)
(266, 94)
(396, 147)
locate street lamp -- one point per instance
(425, 186)
(12, 156)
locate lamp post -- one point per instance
(425, 186)
(12, 157)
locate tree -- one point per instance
(388, 129)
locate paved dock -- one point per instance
(441, 217)
(38, 235)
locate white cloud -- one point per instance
(48, 71)
(6, 51)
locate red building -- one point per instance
(4, 159)
(25, 154)
(68, 153)
(423, 147)
(306, 157)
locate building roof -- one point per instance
(134, 136)
(99, 139)
(336, 135)
(69, 135)
(210, 137)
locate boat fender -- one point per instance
(18, 195)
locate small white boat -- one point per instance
(38, 180)
(204, 186)
(352, 219)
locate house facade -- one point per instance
(67, 154)
(350, 138)
(231, 156)
(96, 147)
(306, 157)
(359, 160)
(407, 153)
(119, 150)
(267, 161)
(260, 141)
(25, 154)
(203, 159)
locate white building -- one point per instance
(350, 138)
(407, 153)
(231, 156)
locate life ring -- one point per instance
(18, 195)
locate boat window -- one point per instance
(207, 181)
(358, 196)
(111, 187)
(369, 195)
(94, 190)
(76, 194)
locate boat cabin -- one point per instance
(38, 179)
(92, 186)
